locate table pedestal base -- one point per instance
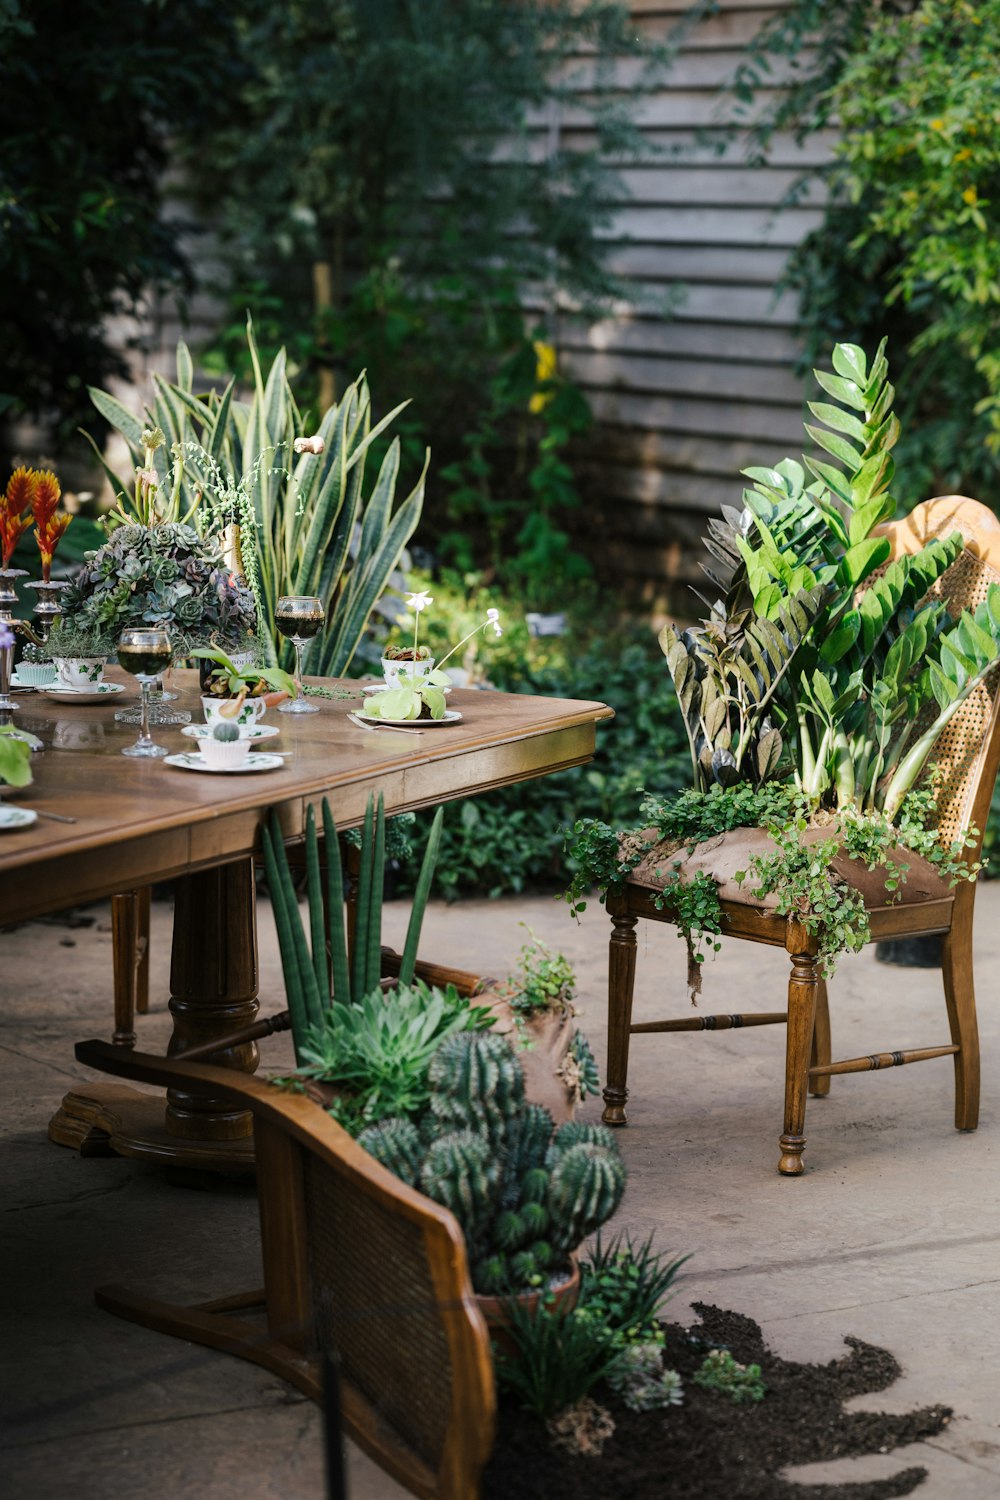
(111, 1119)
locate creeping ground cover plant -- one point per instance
(814, 690)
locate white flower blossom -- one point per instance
(493, 618)
(418, 601)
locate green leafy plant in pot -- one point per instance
(815, 689)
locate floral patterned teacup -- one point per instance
(79, 671)
(251, 710)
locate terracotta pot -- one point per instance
(494, 1309)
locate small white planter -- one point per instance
(79, 671)
(398, 673)
(223, 753)
(35, 673)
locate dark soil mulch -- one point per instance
(711, 1449)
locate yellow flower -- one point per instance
(970, 197)
(962, 155)
(545, 370)
(937, 124)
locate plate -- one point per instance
(15, 817)
(247, 731)
(451, 716)
(195, 762)
(94, 694)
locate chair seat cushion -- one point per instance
(724, 855)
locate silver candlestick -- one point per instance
(47, 610)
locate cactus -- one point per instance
(396, 1144)
(225, 732)
(584, 1190)
(524, 1194)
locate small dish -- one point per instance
(15, 817)
(96, 693)
(252, 732)
(192, 761)
(451, 716)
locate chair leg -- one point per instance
(821, 1043)
(142, 951)
(960, 998)
(803, 986)
(621, 981)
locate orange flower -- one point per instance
(15, 517)
(49, 527)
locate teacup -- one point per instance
(79, 671)
(399, 672)
(251, 710)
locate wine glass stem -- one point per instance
(145, 738)
(298, 668)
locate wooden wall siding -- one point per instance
(685, 400)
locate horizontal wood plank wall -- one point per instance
(688, 397)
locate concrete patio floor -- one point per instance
(891, 1235)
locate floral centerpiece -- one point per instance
(422, 697)
(159, 575)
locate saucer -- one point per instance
(95, 693)
(196, 762)
(15, 817)
(247, 731)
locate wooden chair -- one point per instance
(968, 753)
(355, 1263)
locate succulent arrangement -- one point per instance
(161, 575)
(525, 1194)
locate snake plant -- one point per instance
(317, 969)
(306, 527)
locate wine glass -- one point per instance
(145, 653)
(299, 617)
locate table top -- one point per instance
(139, 821)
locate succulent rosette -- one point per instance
(162, 575)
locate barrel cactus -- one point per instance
(524, 1193)
(225, 732)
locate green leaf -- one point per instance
(856, 564)
(838, 446)
(119, 416)
(849, 361)
(842, 390)
(840, 421)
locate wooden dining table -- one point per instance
(139, 822)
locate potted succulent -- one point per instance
(224, 748)
(239, 694)
(420, 687)
(428, 1085)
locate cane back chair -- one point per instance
(356, 1264)
(967, 753)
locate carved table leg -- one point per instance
(802, 988)
(214, 984)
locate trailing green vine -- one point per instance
(799, 875)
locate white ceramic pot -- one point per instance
(251, 710)
(79, 671)
(221, 753)
(398, 673)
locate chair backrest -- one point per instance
(968, 751)
(360, 1265)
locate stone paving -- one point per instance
(892, 1234)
